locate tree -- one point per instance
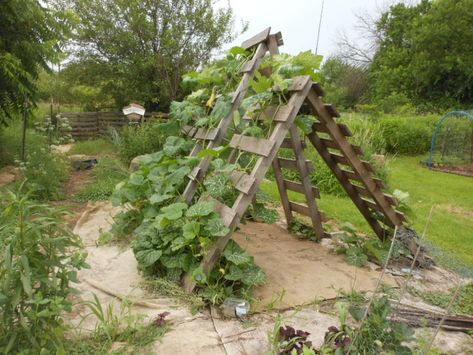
(426, 53)
(345, 83)
(30, 34)
(143, 47)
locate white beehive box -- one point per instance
(134, 112)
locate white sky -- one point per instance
(298, 20)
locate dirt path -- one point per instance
(304, 269)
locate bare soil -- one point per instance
(463, 170)
(77, 180)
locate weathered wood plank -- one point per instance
(253, 145)
(332, 110)
(291, 164)
(298, 187)
(206, 133)
(257, 39)
(318, 89)
(287, 143)
(377, 183)
(242, 181)
(299, 83)
(225, 212)
(320, 127)
(334, 145)
(282, 191)
(344, 160)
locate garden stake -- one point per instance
(383, 272)
(447, 312)
(419, 246)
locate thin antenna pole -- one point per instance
(320, 25)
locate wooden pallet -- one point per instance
(329, 138)
(213, 137)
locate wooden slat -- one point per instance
(287, 143)
(332, 110)
(318, 89)
(298, 187)
(283, 113)
(206, 133)
(334, 145)
(242, 181)
(353, 176)
(298, 83)
(304, 210)
(257, 39)
(225, 212)
(291, 164)
(320, 127)
(253, 145)
(343, 160)
(282, 191)
(364, 192)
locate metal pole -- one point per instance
(320, 25)
(23, 140)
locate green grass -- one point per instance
(451, 228)
(93, 147)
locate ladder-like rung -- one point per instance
(248, 66)
(299, 83)
(364, 192)
(253, 145)
(189, 131)
(372, 205)
(291, 164)
(257, 39)
(333, 145)
(318, 89)
(283, 113)
(225, 212)
(333, 112)
(298, 187)
(206, 133)
(304, 210)
(340, 159)
(195, 173)
(287, 143)
(353, 176)
(242, 181)
(320, 127)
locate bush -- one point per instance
(408, 136)
(46, 172)
(39, 259)
(144, 139)
(10, 143)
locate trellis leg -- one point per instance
(282, 192)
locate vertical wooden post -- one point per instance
(23, 139)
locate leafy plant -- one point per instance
(359, 249)
(117, 327)
(45, 172)
(40, 259)
(59, 133)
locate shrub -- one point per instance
(45, 171)
(144, 139)
(10, 143)
(409, 136)
(39, 259)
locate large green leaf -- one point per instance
(190, 230)
(173, 211)
(148, 257)
(217, 228)
(200, 209)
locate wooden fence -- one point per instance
(94, 124)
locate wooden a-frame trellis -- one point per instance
(327, 136)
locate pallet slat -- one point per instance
(253, 145)
(298, 187)
(343, 160)
(333, 145)
(257, 39)
(291, 164)
(242, 181)
(320, 127)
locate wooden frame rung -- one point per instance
(305, 210)
(333, 145)
(299, 83)
(242, 181)
(253, 145)
(283, 113)
(257, 39)
(318, 89)
(298, 187)
(291, 164)
(340, 159)
(320, 127)
(333, 112)
(287, 143)
(206, 134)
(226, 213)
(354, 176)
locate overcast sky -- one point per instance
(298, 20)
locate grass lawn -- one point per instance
(451, 227)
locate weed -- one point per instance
(108, 173)
(40, 259)
(117, 327)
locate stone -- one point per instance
(82, 161)
(135, 163)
